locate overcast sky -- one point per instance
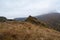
(23, 8)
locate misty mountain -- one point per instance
(20, 19)
(52, 20)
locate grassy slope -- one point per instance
(26, 31)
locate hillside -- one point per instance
(15, 30)
(52, 20)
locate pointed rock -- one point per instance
(32, 20)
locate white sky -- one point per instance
(24, 8)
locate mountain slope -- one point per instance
(15, 30)
(26, 31)
(52, 20)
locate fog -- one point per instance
(24, 8)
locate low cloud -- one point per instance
(23, 8)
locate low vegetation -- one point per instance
(16, 30)
(26, 31)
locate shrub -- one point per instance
(3, 19)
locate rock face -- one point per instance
(33, 20)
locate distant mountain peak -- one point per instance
(52, 19)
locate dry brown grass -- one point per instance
(26, 31)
